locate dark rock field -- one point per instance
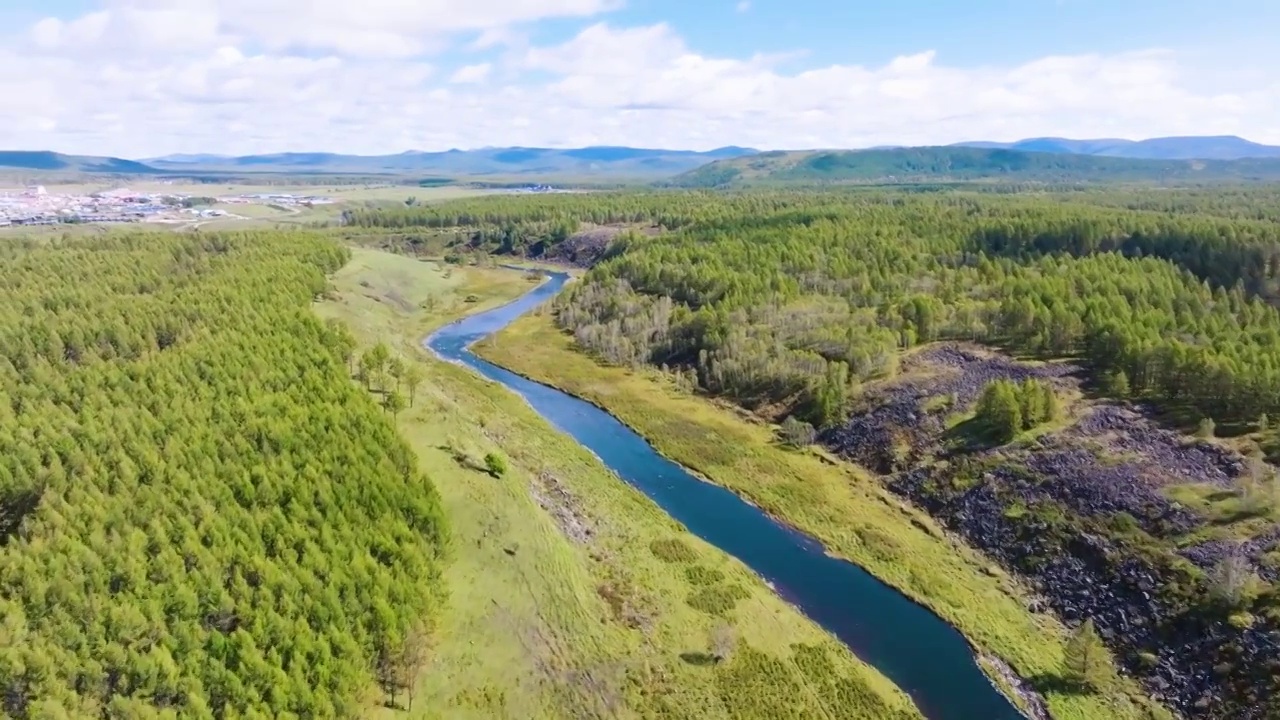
(1083, 514)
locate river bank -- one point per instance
(572, 595)
(888, 630)
(853, 515)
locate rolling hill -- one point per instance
(44, 160)
(589, 161)
(959, 164)
(1222, 147)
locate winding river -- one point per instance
(914, 648)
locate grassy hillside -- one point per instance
(940, 164)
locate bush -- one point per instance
(495, 464)
(796, 433)
(672, 550)
(719, 599)
(1232, 583)
(1206, 429)
(1116, 384)
(699, 575)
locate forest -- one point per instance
(791, 299)
(200, 512)
(906, 166)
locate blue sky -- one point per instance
(971, 32)
(860, 31)
(286, 74)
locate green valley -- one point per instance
(867, 320)
(237, 484)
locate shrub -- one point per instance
(1205, 429)
(718, 599)
(672, 550)
(495, 464)
(699, 575)
(796, 433)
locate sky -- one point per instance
(145, 78)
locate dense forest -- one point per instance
(799, 307)
(954, 163)
(200, 513)
(792, 299)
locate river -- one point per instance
(914, 648)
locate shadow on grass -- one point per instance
(1055, 683)
(971, 436)
(699, 659)
(464, 461)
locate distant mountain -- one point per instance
(959, 164)
(45, 160)
(588, 161)
(1222, 147)
(180, 158)
(1035, 159)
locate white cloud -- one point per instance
(148, 77)
(471, 73)
(384, 28)
(743, 6)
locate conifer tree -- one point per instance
(1086, 661)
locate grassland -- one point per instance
(848, 510)
(570, 590)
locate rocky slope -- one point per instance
(1087, 514)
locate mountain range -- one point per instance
(588, 161)
(963, 164)
(1219, 147)
(650, 164)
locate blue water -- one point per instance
(913, 647)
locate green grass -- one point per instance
(852, 513)
(1228, 514)
(540, 625)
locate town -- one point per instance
(35, 205)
